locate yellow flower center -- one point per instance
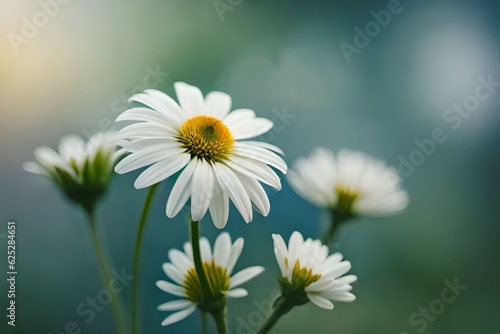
(218, 281)
(302, 276)
(206, 137)
(345, 198)
(294, 291)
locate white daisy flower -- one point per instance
(218, 267)
(350, 183)
(82, 170)
(308, 273)
(209, 144)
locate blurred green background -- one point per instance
(74, 72)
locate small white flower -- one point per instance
(352, 182)
(218, 267)
(82, 170)
(308, 273)
(204, 140)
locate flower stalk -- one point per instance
(337, 218)
(212, 303)
(281, 307)
(106, 274)
(137, 256)
(220, 320)
(198, 264)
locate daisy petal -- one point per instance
(348, 279)
(175, 305)
(72, 147)
(169, 106)
(190, 98)
(138, 144)
(257, 194)
(202, 188)
(345, 297)
(217, 104)
(171, 288)
(294, 245)
(146, 130)
(181, 191)
(158, 102)
(222, 248)
(238, 117)
(338, 270)
(178, 316)
(173, 272)
(48, 157)
(205, 250)
(255, 169)
(281, 253)
(260, 154)
(219, 207)
(180, 260)
(320, 301)
(267, 146)
(232, 186)
(235, 254)
(237, 293)
(144, 158)
(245, 275)
(143, 115)
(188, 250)
(34, 168)
(161, 170)
(320, 285)
(251, 129)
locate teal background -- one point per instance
(75, 74)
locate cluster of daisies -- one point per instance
(210, 150)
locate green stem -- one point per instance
(337, 218)
(198, 264)
(137, 256)
(220, 320)
(219, 313)
(279, 310)
(106, 274)
(204, 322)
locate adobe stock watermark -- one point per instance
(255, 319)
(223, 6)
(152, 79)
(87, 310)
(31, 25)
(363, 37)
(420, 319)
(453, 117)
(281, 119)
